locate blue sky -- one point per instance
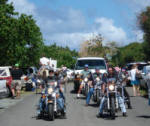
(71, 22)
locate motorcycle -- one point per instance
(97, 95)
(28, 83)
(86, 87)
(49, 104)
(112, 104)
(121, 92)
(77, 81)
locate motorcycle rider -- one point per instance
(85, 73)
(111, 74)
(60, 100)
(122, 77)
(91, 91)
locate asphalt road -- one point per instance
(24, 112)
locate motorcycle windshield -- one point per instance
(110, 80)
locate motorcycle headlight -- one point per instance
(111, 87)
(38, 81)
(50, 90)
(78, 76)
(97, 79)
(55, 84)
(85, 79)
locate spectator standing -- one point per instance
(16, 82)
(134, 81)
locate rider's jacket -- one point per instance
(121, 76)
(85, 73)
(95, 75)
(112, 75)
(50, 79)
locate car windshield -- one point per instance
(146, 70)
(2, 72)
(140, 66)
(91, 63)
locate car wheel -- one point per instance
(8, 93)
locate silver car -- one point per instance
(145, 76)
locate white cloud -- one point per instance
(104, 26)
(110, 32)
(73, 40)
(67, 27)
(139, 35)
(23, 6)
(61, 21)
(136, 5)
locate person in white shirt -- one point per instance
(134, 81)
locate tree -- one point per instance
(130, 53)
(20, 37)
(95, 46)
(63, 55)
(144, 22)
(92, 47)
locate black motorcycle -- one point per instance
(111, 106)
(49, 106)
(97, 95)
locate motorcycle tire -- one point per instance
(51, 116)
(86, 90)
(98, 97)
(95, 96)
(112, 108)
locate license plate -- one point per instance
(50, 101)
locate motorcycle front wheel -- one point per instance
(51, 112)
(86, 90)
(98, 97)
(112, 108)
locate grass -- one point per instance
(144, 93)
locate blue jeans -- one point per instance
(121, 104)
(90, 93)
(41, 103)
(61, 104)
(148, 85)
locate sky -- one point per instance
(71, 22)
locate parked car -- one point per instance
(140, 65)
(24, 79)
(145, 72)
(6, 79)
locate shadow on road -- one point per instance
(94, 105)
(46, 118)
(144, 116)
(107, 117)
(82, 97)
(73, 92)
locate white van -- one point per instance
(92, 62)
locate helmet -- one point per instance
(86, 65)
(97, 68)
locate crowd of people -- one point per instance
(47, 75)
